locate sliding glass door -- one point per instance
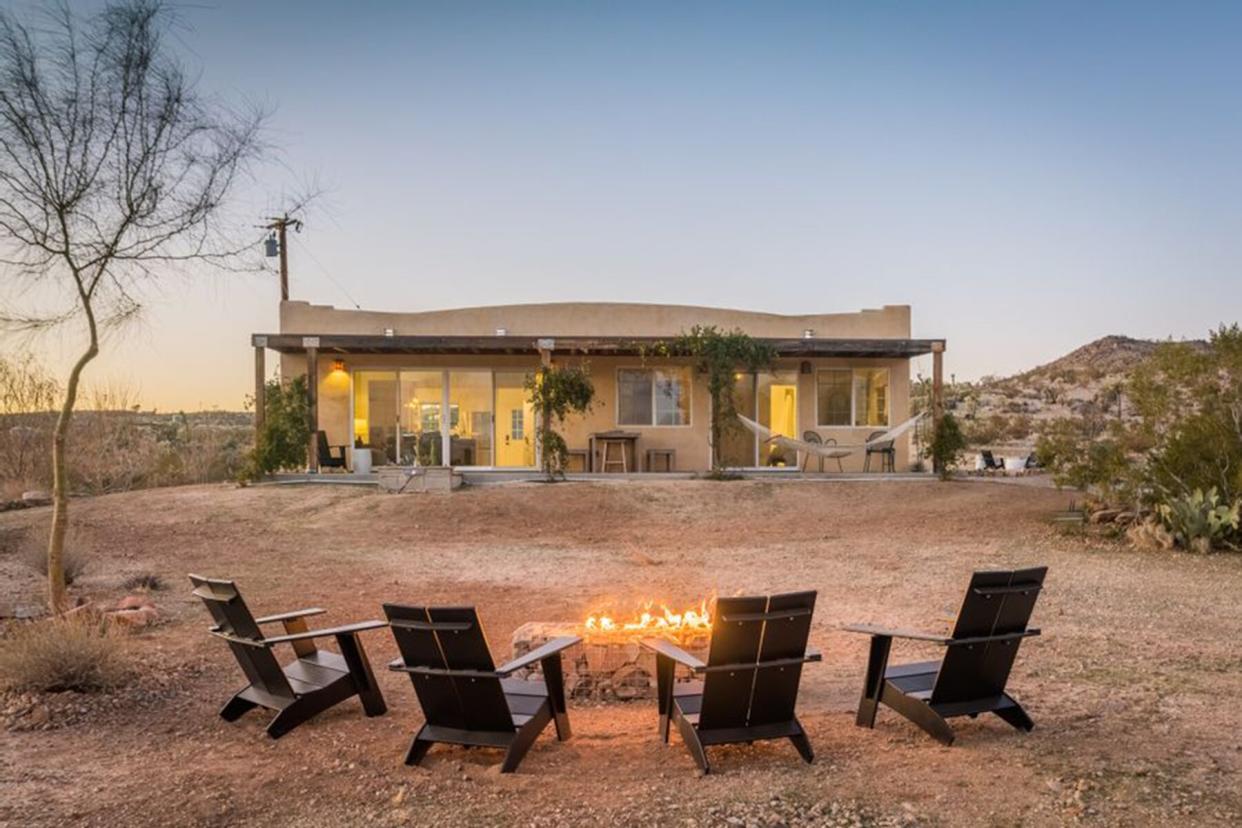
(444, 417)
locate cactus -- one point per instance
(1199, 519)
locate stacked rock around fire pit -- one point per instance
(605, 666)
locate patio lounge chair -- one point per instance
(315, 681)
(327, 458)
(814, 439)
(971, 677)
(466, 700)
(886, 448)
(750, 680)
(990, 463)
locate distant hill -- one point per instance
(1088, 380)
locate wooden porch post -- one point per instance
(312, 401)
(937, 399)
(260, 385)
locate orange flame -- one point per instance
(647, 619)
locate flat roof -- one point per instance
(289, 343)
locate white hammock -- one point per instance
(819, 449)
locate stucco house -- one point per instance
(446, 387)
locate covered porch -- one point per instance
(460, 400)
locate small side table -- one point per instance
(362, 461)
(669, 456)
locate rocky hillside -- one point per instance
(1007, 411)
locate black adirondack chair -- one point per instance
(750, 680)
(330, 457)
(990, 463)
(971, 677)
(466, 699)
(315, 681)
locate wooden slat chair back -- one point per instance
(750, 634)
(466, 699)
(996, 604)
(750, 679)
(313, 682)
(450, 639)
(233, 617)
(979, 655)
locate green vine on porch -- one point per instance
(719, 355)
(556, 391)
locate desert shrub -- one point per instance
(946, 445)
(74, 562)
(62, 654)
(283, 441)
(1199, 520)
(556, 391)
(1082, 456)
(144, 582)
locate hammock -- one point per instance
(820, 450)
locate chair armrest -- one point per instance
(668, 649)
(539, 654)
(289, 616)
(914, 635)
(347, 629)
(988, 639)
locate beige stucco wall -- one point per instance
(592, 319)
(690, 442)
(603, 319)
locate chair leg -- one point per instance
(920, 713)
(691, 737)
(664, 692)
(803, 743)
(873, 684)
(236, 708)
(418, 748)
(524, 738)
(866, 462)
(1015, 715)
(555, 682)
(360, 672)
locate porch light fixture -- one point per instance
(338, 365)
(808, 333)
(389, 332)
(502, 332)
(805, 367)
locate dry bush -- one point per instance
(62, 654)
(144, 582)
(35, 557)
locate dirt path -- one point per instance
(1130, 686)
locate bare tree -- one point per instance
(113, 170)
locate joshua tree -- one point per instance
(113, 170)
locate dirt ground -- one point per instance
(1134, 686)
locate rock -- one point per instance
(134, 602)
(36, 497)
(141, 617)
(1104, 515)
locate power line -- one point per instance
(306, 249)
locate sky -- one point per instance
(1027, 176)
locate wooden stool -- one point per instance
(668, 455)
(609, 460)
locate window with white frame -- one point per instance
(852, 397)
(834, 392)
(653, 396)
(517, 424)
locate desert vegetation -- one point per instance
(114, 444)
(1173, 468)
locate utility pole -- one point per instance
(276, 245)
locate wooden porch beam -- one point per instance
(260, 388)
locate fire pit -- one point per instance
(610, 664)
